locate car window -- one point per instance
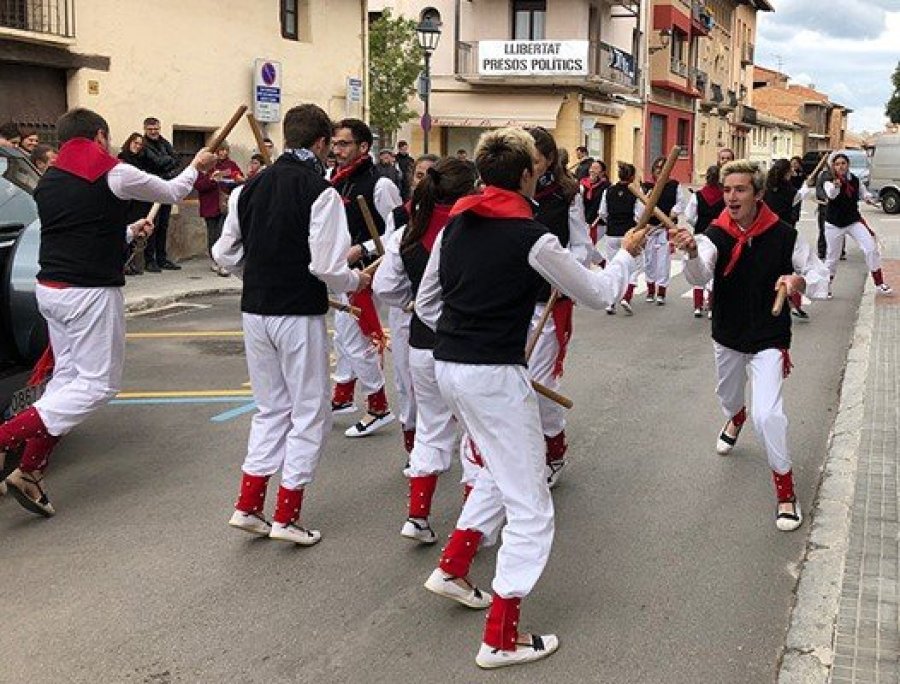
(17, 181)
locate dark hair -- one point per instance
(259, 158)
(446, 181)
(581, 148)
(9, 130)
(797, 158)
(712, 175)
(503, 155)
(627, 172)
(433, 158)
(402, 143)
(659, 161)
(151, 120)
(839, 155)
(775, 177)
(304, 124)
(39, 154)
(80, 123)
(126, 146)
(358, 129)
(601, 163)
(25, 132)
(546, 145)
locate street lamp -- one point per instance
(428, 33)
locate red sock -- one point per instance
(252, 495)
(37, 453)
(457, 556)
(20, 428)
(343, 392)
(661, 291)
(629, 292)
(556, 447)
(287, 507)
(651, 289)
(501, 629)
(796, 300)
(409, 440)
(784, 485)
(740, 417)
(377, 402)
(877, 277)
(698, 297)
(421, 491)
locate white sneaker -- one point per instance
(660, 301)
(725, 443)
(650, 298)
(295, 533)
(626, 307)
(788, 522)
(341, 409)
(553, 470)
(709, 314)
(442, 584)
(611, 309)
(419, 530)
(253, 523)
(884, 289)
(698, 313)
(542, 646)
(370, 423)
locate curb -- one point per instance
(808, 653)
(151, 302)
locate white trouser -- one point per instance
(399, 321)
(287, 357)
(356, 356)
(498, 407)
(834, 239)
(87, 334)
(613, 245)
(658, 259)
(435, 427)
(765, 369)
(540, 365)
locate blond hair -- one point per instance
(502, 155)
(757, 177)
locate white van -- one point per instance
(884, 179)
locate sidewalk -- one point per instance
(844, 625)
(195, 278)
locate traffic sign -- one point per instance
(267, 90)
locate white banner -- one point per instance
(533, 57)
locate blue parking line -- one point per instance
(234, 413)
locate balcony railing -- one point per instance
(49, 17)
(748, 114)
(700, 81)
(678, 67)
(747, 50)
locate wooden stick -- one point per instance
(544, 391)
(371, 268)
(354, 311)
(219, 137)
(811, 180)
(657, 192)
(411, 307)
(545, 315)
(154, 210)
(258, 134)
(657, 212)
(370, 224)
(779, 300)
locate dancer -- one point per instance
(658, 255)
(703, 207)
(618, 212)
(478, 294)
(750, 253)
(286, 232)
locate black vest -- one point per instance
(361, 182)
(742, 317)
(620, 210)
(706, 214)
(488, 290)
(842, 210)
(274, 212)
(781, 201)
(415, 259)
(667, 200)
(82, 230)
(592, 205)
(553, 213)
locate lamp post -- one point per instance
(428, 33)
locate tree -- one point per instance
(892, 110)
(395, 61)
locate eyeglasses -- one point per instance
(343, 143)
(154, 129)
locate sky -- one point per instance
(847, 49)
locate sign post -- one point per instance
(267, 91)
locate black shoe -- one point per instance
(167, 265)
(152, 267)
(800, 313)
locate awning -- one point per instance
(489, 110)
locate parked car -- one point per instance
(885, 173)
(23, 331)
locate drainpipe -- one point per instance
(456, 23)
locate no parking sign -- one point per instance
(267, 90)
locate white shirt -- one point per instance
(391, 283)
(128, 182)
(387, 198)
(832, 190)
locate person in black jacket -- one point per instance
(163, 162)
(132, 152)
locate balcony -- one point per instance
(579, 63)
(748, 114)
(701, 20)
(676, 66)
(747, 50)
(43, 19)
(700, 81)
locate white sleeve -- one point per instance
(831, 189)
(391, 283)
(681, 200)
(807, 264)
(596, 289)
(638, 210)
(579, 236)
(701, 269)
(128, 182)
(429, 301)
(802, 193)
(864, 193)
(603, 212)
(387, 198)
(329, 242)
(690, 211)
(228, 251)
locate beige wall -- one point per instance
(191, 63)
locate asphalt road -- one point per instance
(666, 567)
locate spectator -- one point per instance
(583, 162)
(387, 169)
(9, 135)
(43, 156)
(163, 162)
(407, 167)
(797, 178)
(29, 140)
(132, 152)
(330, 165)
(257, 164)
(270, 147)
(463, 156)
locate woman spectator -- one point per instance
(257, 164)
(132, 152)
(29, 140)
(212, 191)
(797, 176)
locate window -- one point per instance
(657, 147)
(186, 143)
(684, 137)
(289, 19)
(529, 19)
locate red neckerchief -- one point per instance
(562, 321)
(546, 191)
(766, 219)
(590, 187)
(351, 168)
(85, 158)
(712, 194)
(439, 217)
(494, 202)
(846, 186)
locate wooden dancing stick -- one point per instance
(219, 137)
(657, 212)
(544, 391)
(258, 134)
(811, 179)
(661, 181)
(410, 307)
(545, 315)
(354, 311)
(370, 224)
(371, 268)
(154, 210)
(779, 300)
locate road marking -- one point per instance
(194, 394)
(234, 413)
(177, 400)
(188, 333)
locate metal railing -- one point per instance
(678, 67)
(747, 50)
(52, 17)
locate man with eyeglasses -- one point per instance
(357, 357)
(162, 162)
